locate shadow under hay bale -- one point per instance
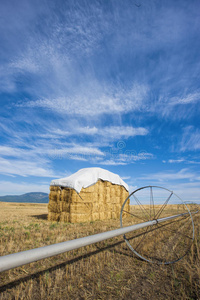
(41, 217)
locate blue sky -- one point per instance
(112, 84)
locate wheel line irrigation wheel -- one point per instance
(162, 243)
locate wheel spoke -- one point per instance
(134, 215)
(142, 208)
(152, 203)
(174, 231)
(163, 207)
(143, 238)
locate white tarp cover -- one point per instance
(87, 177)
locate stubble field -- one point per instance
(106, 270)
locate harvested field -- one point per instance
(106, 270)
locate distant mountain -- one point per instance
(29, 198)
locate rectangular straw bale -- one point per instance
(107, 190)
(54, 195)
(80, 208)
(95, 207)
(95, 216)
(114, 215)
(107, 207)
(107, 197)
(74, 197)
(91, 189)
(53, 216)
(102, 207)
(127, 205)
(65, 217)
(109, 184)
(118, 191)
(64, 206)
(102, 216)
(117, 200)
(89, 197)
(116, 208)
(108, 215)
(106, 184)
(54, 206)
(113, 190)
(66, 195)
(123, 194)
(54, 188)
(101, 198)
(75, 218)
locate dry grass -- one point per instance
(107, 270)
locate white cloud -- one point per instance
(118, 158)
(108, 132)
(174, 161)
(190, 139)
(41, 152)
(126, 177)
(25, 168)
(77, 130)
(36, 161)
(17, 152)
(76, 149)
(172, 175)
(78, 157)
(73, 130)
(94, 99)
(185, 99)
(111, 162)
(181, 160)
(24, 64)
(132, 188)
(123, 131)
(56, 147)
(188, 191)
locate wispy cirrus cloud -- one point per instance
(186, 99)
(37, 161)
(53, 143)
(172, 161)
(171, 175)
(116, 157)
(182, 160)
(188, 191)
(94, 100)
(190, 140)
(13, 167)
(111, 132)
(76, 152)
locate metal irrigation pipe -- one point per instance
(14, 260)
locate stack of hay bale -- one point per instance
(88, 195)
